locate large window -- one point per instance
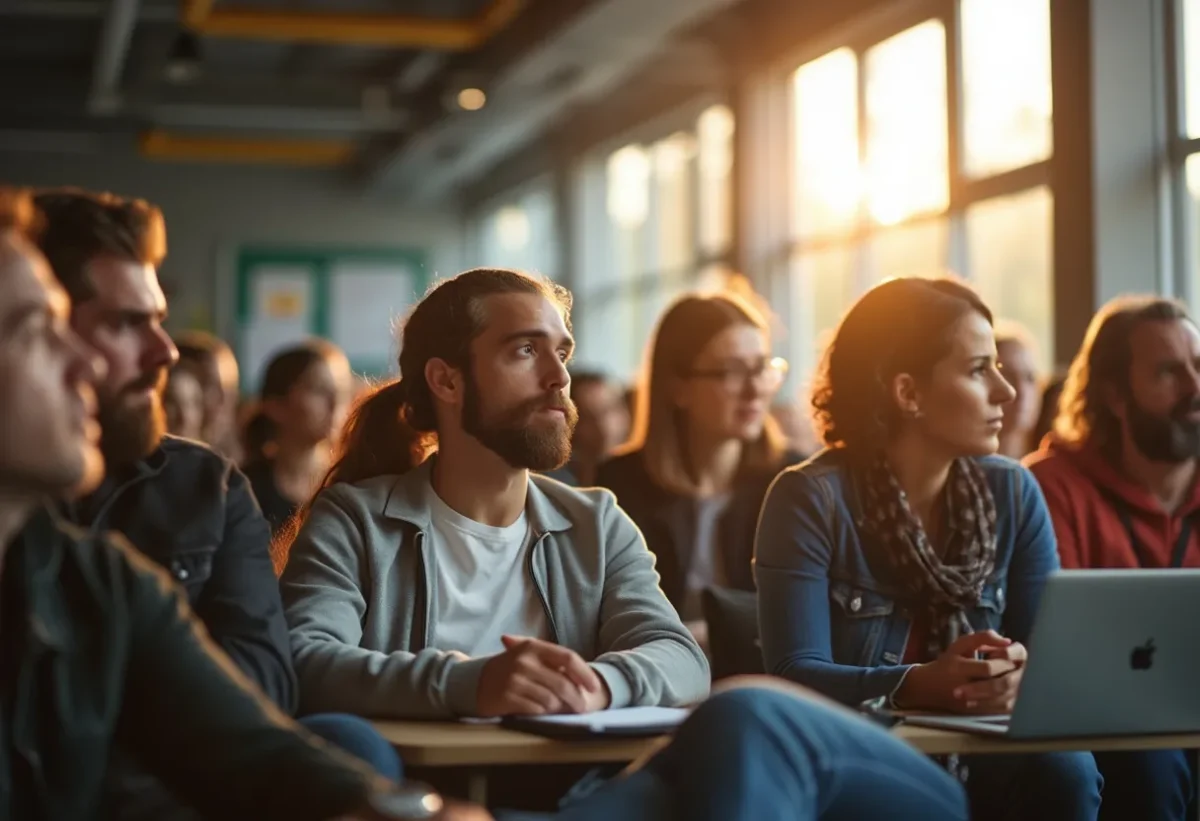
(923, 151)
(655, 219)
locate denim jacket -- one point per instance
(832, 614)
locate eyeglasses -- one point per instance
(767, 375)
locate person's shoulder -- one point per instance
(109, 560)
(1004, 471)
(366, 494)
(622, 469)
(178, 448)
(819, 480)
(830, 465)
(996, 465)
(576, 503)
(1053, 462)
(176, 456)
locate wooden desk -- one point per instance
(947, 742)
(436, 744)
(476, 746)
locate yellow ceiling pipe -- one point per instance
(165, 145)
(349, 29)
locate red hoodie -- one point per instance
(1084, 493)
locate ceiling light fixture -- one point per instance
(185, 63)
(472, 99)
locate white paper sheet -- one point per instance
(282, 293)
(366, 301)
(626, 717)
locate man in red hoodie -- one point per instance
(1119, 472)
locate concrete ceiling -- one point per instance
(75, 73)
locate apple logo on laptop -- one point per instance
(1142, 658)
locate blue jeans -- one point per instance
(356, 736)
(756, 753)
(1157, 785)
(1042, 787)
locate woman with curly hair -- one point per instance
(905, 561)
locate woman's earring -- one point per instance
(916, 413)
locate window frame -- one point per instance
(1183, 224)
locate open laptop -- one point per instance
(1113, 652)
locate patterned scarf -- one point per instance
(949, 585)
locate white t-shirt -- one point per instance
(484, 588)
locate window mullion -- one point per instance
(956, 254)
(860, 255)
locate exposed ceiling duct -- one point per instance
(297, 25)
(275, 118)
(82, 10)
(164, 145)
(115, 37)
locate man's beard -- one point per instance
(130, 433)
(1172, 438)
(512, 434)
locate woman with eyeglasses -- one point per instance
(904, 563)
(704, 447)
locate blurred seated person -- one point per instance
(288, 440)
(177, 501)
(704, 447)
(216, 366)
(183, 403)
(460, 582)
(603, 424)
(184, 506)
(906, 562)
(1015, 349)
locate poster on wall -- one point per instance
(281, 308)
(366, 302)
(353, 297)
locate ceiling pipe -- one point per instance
(81, 10)
(172, 147)
(386, 30)
(275, 118)
(115, 36)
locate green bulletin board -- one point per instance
(351, 297)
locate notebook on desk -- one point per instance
(628, 722)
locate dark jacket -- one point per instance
(100, 647)
(192, 511)
(276, 508)
(832, 614)
(668, 521)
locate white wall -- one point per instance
(211, 210)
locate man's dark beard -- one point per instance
(129, 434)
(511, 434)
(1172, 438)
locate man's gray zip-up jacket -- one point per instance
(357, 596)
